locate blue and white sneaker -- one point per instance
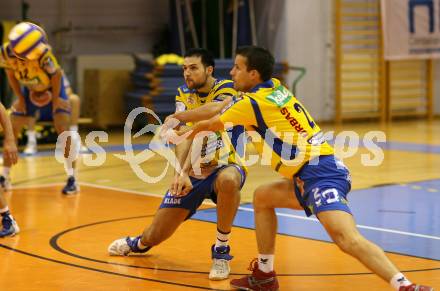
(220, 263)
(125, 246)
(71, 186)
(10, 226)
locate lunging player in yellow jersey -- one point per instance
(36, 79)
(220, 176)
(314, 179)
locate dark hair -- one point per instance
(206, 56)
(258, 58)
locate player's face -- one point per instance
(194, 72)
(243, 79)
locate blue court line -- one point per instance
(410, 147)
(399, 146)
(398, 218)
(110, 148)
(138, 147)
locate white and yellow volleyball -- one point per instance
(28, 41)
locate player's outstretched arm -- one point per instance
(182, 183)
(9, 146)
(178, 136)
(204, 112)
(212, 125)
(181, 150)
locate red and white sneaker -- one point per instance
(258, 280)
(415, 287)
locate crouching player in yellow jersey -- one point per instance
(314, 180)
(29, 62)
(219, 179)
(75, 105)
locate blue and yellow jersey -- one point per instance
(36, 74)
(217, 148)
(289, 135)
(187, 99)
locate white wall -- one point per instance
(304, 39)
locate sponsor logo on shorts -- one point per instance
(172, 200)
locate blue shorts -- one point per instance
(323, 185)
(44, 112)
(202, 188)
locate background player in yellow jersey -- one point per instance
(29, 62)
(75, 104)
(314, 180)
(220, 177)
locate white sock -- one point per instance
(265, 263)
(32, 137)
(5, 209)
(141, 246)
(6, 171)
(222, 239)
(399, 280)
(73, 128)
(70, 171)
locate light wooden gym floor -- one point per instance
(63, 240)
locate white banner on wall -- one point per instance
(411, 29)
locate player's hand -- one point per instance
(10, 151)
(59, 103)
(181, 185)
(175, 136)
(171, 121)
(19, 106)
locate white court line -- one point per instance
(240, 208)
(359, 226)
(120, 189)
(130, 191)
(36, 186)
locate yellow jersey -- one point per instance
(289, 135)
(216, 148)
(35, 75)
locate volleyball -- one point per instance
(28, 41)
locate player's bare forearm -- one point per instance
(182, 150)
(213, 124)
(56, 84)
(204, 112)
(6, 124)
(187, 162)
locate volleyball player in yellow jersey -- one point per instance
(75, 105)
(220, 177)
(314, 180)
(29, 62)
